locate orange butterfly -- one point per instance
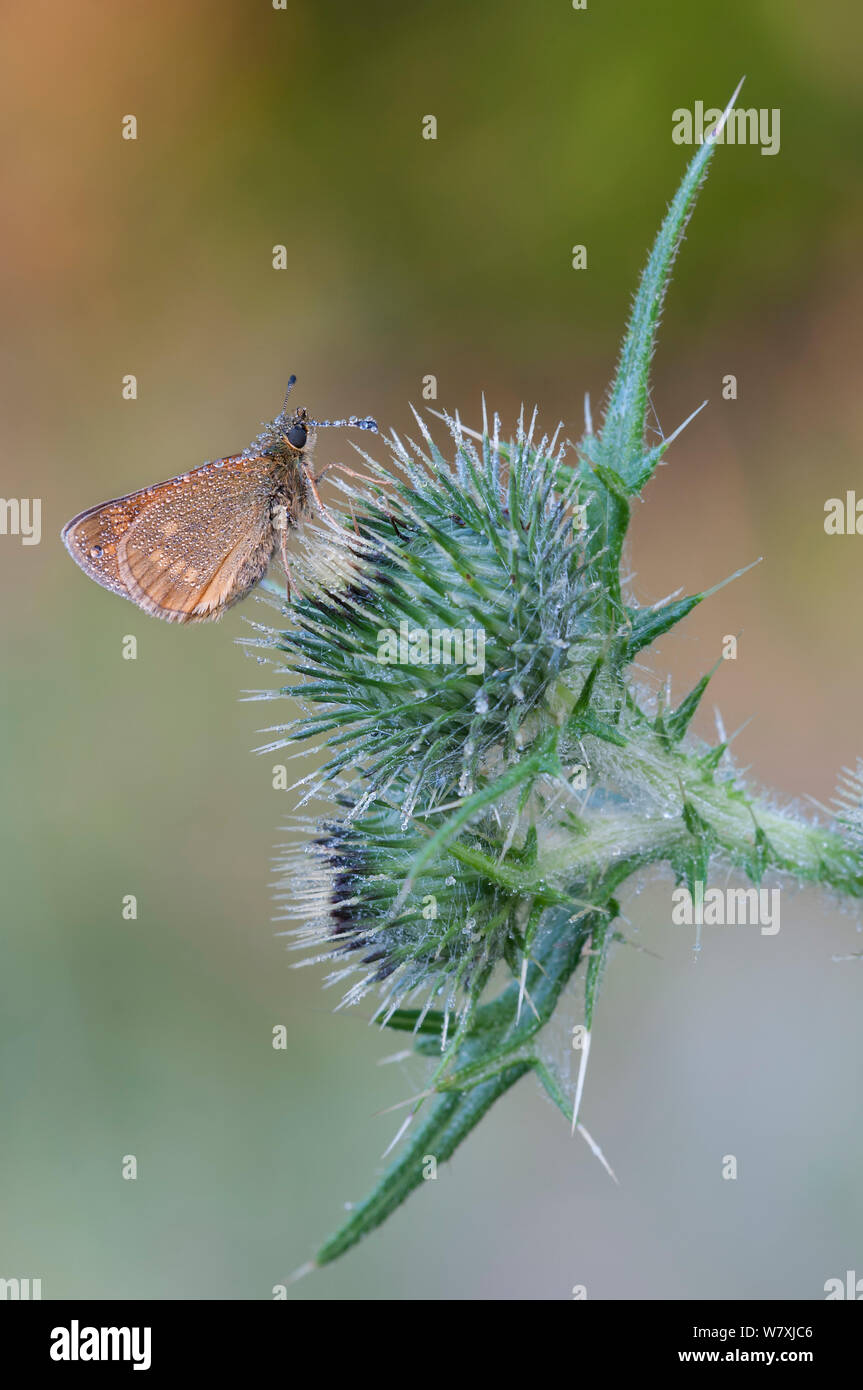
(186, 549)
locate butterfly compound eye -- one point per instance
(297, 435)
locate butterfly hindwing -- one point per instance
(183, 550)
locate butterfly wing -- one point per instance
(91, 537)
(186, 549)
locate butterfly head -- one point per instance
(297, 430)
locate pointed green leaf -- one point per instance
(622, 433)
(451, 1120)
(650, 623)
(677, 723)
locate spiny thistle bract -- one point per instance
(463, 650)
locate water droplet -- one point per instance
(450, 880)
(95, 552)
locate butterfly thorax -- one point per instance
(290, 487)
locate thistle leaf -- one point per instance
(622, 433)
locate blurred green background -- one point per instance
(411, 257)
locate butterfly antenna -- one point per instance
(291, 383)
(354, 421)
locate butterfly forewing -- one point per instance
(183, 550)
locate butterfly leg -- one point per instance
(324, 510)
(363, 477)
